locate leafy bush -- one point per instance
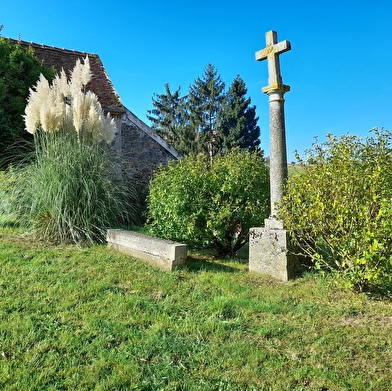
(338, 209)
(19, 70)
(210, 202)
(67, 193)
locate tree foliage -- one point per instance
(204, 104)
(338, 209)
(208, 119)
(19, 70)
(210, 202)
(238, 120)
(168, 115)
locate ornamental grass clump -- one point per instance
(66, 194)
(338, 209)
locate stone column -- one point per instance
(278, 154)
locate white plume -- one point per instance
(65, 105)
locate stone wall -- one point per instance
(142, 151)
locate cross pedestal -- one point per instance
(270, 250)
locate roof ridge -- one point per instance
(100, 84)
(43, 46)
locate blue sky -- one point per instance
(339, 68)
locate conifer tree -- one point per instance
(208, 120)
(238, 122)
(205, 99)
(167, 117)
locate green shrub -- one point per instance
(210, 202)
(338, 209)
(19, 70)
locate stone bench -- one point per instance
(165, 254)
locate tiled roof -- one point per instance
(66, 59)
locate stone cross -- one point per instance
(276, 90)
(270, 249)
(271, 52)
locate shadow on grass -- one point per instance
(195, 264)
(381, 291)
(8, 223)
(208, 260)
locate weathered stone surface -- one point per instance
(275, 91)
(269, 247)
(142, 151)
(278, 157)
(271, 52)
(271, 253)
(165, 254)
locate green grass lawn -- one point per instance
(92, 319)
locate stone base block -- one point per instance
(165, 254)
(271, 253)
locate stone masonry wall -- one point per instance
(142, 151)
